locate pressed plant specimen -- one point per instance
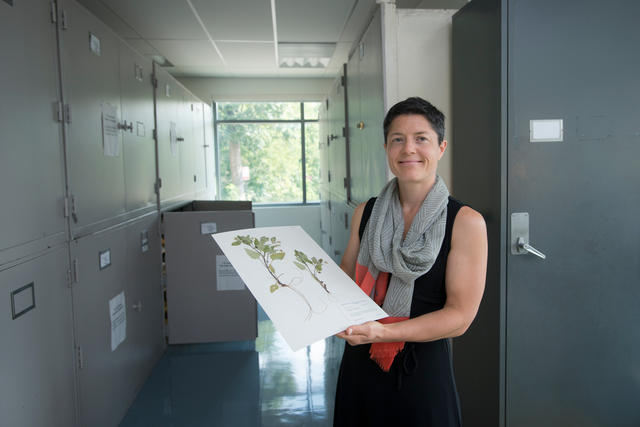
(266, 250)
(313, 265)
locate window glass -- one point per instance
(258, 111)
(312, 157)
(261, 162)
(311, 110)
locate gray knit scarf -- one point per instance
(383, 249)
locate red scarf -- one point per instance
(382, 353)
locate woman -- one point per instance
(422, 256)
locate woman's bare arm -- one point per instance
(348, 263)
(464, 281)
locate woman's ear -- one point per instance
(443, 148)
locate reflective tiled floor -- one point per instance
(241, 384)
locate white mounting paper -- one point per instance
(110, 133)
(118, 314)
(227, 278)
(302, 310)
(545, 130)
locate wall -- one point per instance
(424, 62)
(308, 217)
(257, 89)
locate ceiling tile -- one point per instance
(248, 55)
(248, 20)
(158, 19)
(188, 53)
(311, 20)
(142, 46)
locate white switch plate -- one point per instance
(546, 130)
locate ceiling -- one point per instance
(239, 38)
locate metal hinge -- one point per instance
(66, 207)
(346, 220)
(330, 240)
(155, 134)
(158, 185)
(75, 271)
(65, 25)
(346, 182)
(154, 82)
(329, 176)
(329, 204)
(54, 12)
(58, 114)
(344, 131)
(74, 213)
(69, 279)
(67, 113)
(80, 356)
(342, 81)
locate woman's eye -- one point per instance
(397, 140)
(422, 139)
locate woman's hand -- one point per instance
(365, 333)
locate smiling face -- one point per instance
(413, 150)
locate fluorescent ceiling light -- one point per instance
(305, 55)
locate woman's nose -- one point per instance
(409, 146)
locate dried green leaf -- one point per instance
(300, 266)
(274, 287)
(236, 243)
(253, 254)
(278, 255)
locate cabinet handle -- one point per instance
(360, 125)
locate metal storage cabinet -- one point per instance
(340, 221)
(199, 169)
(337, 141)
(145, 328)
(107, 379)
(187, 146)
(90, 80)
(556, 341)
(209, 154)
(167, 102)
(31, 155)
(138, 143)
(199, 311)
(365, 87)
(36, 361)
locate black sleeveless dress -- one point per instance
(419, 389)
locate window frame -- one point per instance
(302, 121)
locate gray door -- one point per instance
(137, 141)
(572, 337)
(91, 84)
(31, 157)
(106, 373)
(206, 300)
(36, 360)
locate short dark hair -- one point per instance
(419, 106)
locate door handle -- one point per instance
(524, 246)
(520, 236)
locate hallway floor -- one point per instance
(241, 384)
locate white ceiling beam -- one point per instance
(204, 28)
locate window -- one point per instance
(268, 152)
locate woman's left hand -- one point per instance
(365, 333)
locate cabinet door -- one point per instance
(36, 361)
(144, 296)
(107, 370)
(31, 156)
(209, 152)
(167, 107)
(199, 149)
(138, 144)
(365, 80)
(337, 142)
(91, 83)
